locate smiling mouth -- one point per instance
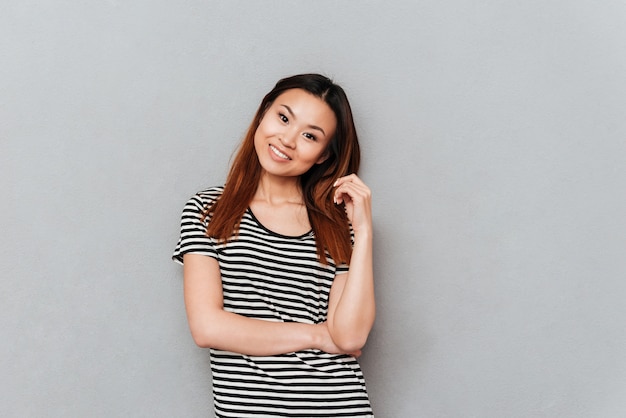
(278, 153)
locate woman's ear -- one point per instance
(323, 157)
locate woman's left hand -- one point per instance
(357, 198)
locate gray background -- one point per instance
(494, 140)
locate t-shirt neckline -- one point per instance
(306, 234)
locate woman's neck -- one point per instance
(278, 190)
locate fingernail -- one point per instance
(335, 183)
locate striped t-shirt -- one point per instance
(274, 277)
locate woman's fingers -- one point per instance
(351, 178)
(356, 196)
(349, 189)
(328, 345)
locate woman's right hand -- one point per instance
(326, 343)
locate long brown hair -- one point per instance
(328, 221)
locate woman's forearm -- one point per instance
(228, 331)
(354, 309)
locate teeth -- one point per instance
(277, 152)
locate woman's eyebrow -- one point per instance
(294, 116)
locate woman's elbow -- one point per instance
(201, 341)
(350, 338)
(350, 343)
(201, 335)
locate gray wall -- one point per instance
(494, 140)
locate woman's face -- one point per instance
(294, 133)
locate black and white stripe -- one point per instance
(275, 278)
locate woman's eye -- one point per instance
(310, 136)
(283, 118)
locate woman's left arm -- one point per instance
(351, 306)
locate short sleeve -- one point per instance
(342, 268)
(193, 238)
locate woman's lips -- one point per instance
(279, 153)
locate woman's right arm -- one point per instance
(212, 326)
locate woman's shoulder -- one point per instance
(212, 193)
(206, 197)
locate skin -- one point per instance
(292, 136)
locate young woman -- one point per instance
(278, 278)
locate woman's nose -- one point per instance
(288, 138)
